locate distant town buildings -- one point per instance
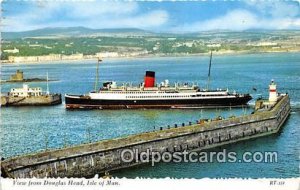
(136, 53)
(262, 44)
(18, 59)
(15, 50)
(107, 54)
(35, 45)
(213, 45)
(49, 57)
(123, 54)
(47, 47)
(41, 58)
(77, 56)
(188, 44)
(156, 46)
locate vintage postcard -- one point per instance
(158, 94)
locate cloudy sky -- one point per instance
(164, 16)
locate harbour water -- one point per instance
(26, 129)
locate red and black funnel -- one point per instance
(149, 79)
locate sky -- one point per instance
(156, 16)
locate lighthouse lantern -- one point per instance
(272, 92)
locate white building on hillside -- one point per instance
(15, 50)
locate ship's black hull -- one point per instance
(87, 103)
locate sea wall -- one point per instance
(96, 158)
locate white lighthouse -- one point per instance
(272, 92)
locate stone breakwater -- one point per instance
(97, 158)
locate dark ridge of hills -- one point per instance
(71, 32)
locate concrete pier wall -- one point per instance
(94, 158)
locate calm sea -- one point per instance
(27, 129)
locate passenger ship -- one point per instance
(151, 95)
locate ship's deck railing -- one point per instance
(161, 89)
(149, 89)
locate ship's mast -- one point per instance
(208, 79)
(47, 84)
(97, 75)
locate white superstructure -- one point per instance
(25, 91)
(113, 92)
